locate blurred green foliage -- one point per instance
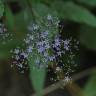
(77, 13)
(88, 36)
(90, 88)
(89, 3)
(1, 8)
(37, 75)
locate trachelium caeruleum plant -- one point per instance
(46, 44)
(47, 48)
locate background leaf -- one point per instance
(9, 19)
(1, 8)
(90, 88)
(16, 28)
(37, 75)
(88, 2)
(88, 36)
(41, 11)
(73, 12)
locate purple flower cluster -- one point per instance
(48, 46)
(19, 58)
(39, 40)
(4, 34)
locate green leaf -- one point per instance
(41, 11)
(20, 25)
(16, 39)
(6, 48)
(9, 19)
(1, 8)
(37, 75)
(88, 2)
(17, 28)
(4, 55)
(71, 11)
(88, 37)
(37, 1)
(90, 88)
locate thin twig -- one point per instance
(59, 84)
(74, 89)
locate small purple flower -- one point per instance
(66, 44)
(59, 53)
(31, 37)
(47, 46)
(66, 47)
(57, 42)
(41, 43)
(44, 34)
(33, 27)
(29, 49)
(16, 51)
(49, 17)
(17, 57)
(51, 58)
(20, 65)
(37, 61)
(41, 49)
(24, 54)
(27, 40)
(45, 54)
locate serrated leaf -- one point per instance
(77, 13)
